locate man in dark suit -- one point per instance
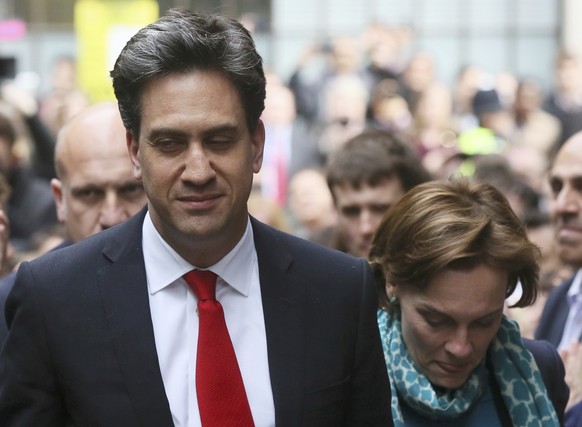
(552, 372)
(106, 332)
(559, 323)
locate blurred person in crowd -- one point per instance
(35, 144)
(381, 54)
(64, 99)
(95, 188)
(6, 249)
(319, 63)
(565, 99)
(432, 132)
(534, 127)
(124, 301)
(467, 83)
(344, 113)
(496, 170)
(529, 164)
(370, 173)
(506, 86)
(446, 257)
(388, 110)
(268, 211)
(311, 206)
(417, 76)
(561, 323)
(30, 207)
(491, 134)
(290, 146)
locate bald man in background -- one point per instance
(95, 188)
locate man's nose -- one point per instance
(197, 166)
(567, 201)
(112, 212)
(367, 223)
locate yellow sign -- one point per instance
(103, 27)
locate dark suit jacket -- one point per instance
(5, 287)
(552, 370)
(30, 208)
(6, 284)
(551, 325)
(573, 416)
(81, 346)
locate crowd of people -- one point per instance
(501, 128)
(459, 206)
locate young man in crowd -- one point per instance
(366, 176)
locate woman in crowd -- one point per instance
(447, 256)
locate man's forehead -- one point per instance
(376, 184)
(566, 168)
(384, 192)
(92, 177)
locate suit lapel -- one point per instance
(123, 289)
(284, 322)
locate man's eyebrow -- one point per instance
(85, 187)
(576, 180)
(155, 133)
(222, 128)
(177, 133)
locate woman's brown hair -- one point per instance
(455, 224)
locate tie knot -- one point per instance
(202, 283)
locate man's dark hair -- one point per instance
(374, 156)
(183, 41)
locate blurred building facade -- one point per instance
(519, 36)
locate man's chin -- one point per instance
(570, 254)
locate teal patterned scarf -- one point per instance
(515, 370)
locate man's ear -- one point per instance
(57, 188)
(258, 141)
(133, 150)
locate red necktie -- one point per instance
(222, 399)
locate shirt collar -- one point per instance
(165, 266)
(575, 288)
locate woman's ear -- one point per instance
(391, 292)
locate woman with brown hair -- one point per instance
(447, 256)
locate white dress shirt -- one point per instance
(175, 321)
(573, 326)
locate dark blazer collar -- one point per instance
(124, 293)
(283, 308)
(127, 238)
(123, 287)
